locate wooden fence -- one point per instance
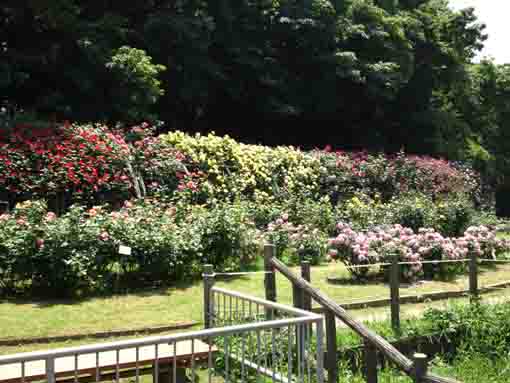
(304, 293)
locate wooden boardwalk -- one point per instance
(88, 365)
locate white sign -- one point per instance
(124, 250)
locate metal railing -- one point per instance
(249, 338)
(374, 343)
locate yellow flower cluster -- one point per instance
(235, 169)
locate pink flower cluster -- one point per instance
(378, 246)
(293, 232)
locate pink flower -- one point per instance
(333, 253)
(104, 236)
(50, 216)
(39, 243)
(340, 240)
(4, 217)
(21, 221)
(128, 204)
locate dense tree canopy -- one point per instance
(378, 74)
(251, 68)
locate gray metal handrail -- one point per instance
(157, 350)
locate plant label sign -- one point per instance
(124, 250)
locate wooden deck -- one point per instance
(86, 366)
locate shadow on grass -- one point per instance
(48, 299)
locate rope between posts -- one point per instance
(494, 288)
(381, 264)
(409, 263)
(242, 273)
(361, 300)
(496, 260)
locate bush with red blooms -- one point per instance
(83, 160)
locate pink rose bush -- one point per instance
(393, 174)
(78, 251)
(355, 248)
(295, 240)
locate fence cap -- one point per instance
(208, 270)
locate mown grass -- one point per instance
(20, 319)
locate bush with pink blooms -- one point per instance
(296, 242)
(355, 248)
(77, 252)
(343, 173)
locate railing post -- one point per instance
(208, 304)
(331, 362)
(395, 293)
(420, 367)
(269, 277)
(370, 359)
(473, 276)
(297, 297)
(320, 352)
(305, 274)
(50, 370)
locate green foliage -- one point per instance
(137, 81)
(413, 210)
(454, 215)
(357, 64)
(78, 251)
(295, 243)
(474, 328)
(479, 329)
(450, 216)
(233, 170)
(478, 335)
(362, 211)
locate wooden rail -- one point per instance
(413, 369)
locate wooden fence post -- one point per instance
(395, 293)
(331, 347)
(208, 304)
(473, 276)
(420, 367)
(269, 277)
(370, 360)
(305, 274)
(297, 297)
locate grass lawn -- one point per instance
(20, 319)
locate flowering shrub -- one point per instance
(231, 170)
(81, 159)
(363, 211)
(302, 241)
(449, 215)
(343, 173)
(78, 251)
(93, 163)
(379, 246)
(162, 168)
